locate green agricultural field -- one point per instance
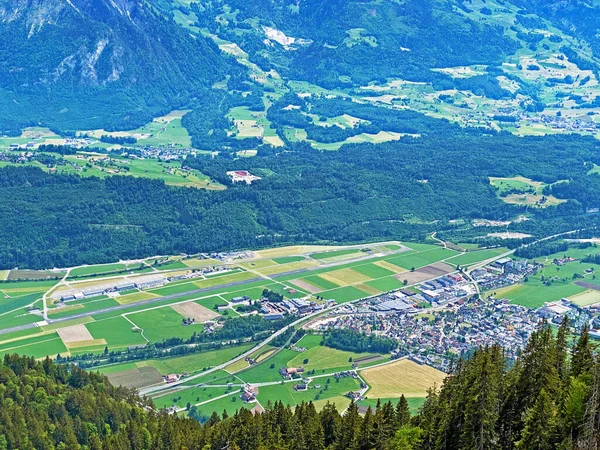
(535, 294)
(423, 258)
(386, 284)
(192, 395)
(17, 302)
(37, 346)
(89, 306)
(476, 256)
(118, 332)
(262, 372)
(195, 362)
(288, 259)
(345, 294)
(231, 404)
(317, 281)
(211, 302)
(373, 271)
(163, 323)
(325, 359)
(286, 394)
(173, 265)
(93, 270)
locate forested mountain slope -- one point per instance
(356, 42)
(549, 399)
(75, 64)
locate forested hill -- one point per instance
(81, 64)
(358, 41)
(549, 399)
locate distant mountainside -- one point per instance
(97, 63)
(356, 42)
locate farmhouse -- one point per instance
(241, 299)
(249, 394)
(300, 387)
(288, 372)
(172, 378)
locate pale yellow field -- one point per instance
(237, 366)
(307, 286)
(275, 141)
(89, 343)
(243, 364)
(345, 276)
(195, 311)
(4, 274)
(532, 200)
(265, 354)
(75, 333)
(401, 377)
(390, 266)
(586, 298)
(135, 297)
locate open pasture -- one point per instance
(163, 323)
(422, 258)
(37, 346)
(262, 373)
(401, 377)
(345, 294)
(117, 331)
(286, 393)
(476, 256)
(324, 359)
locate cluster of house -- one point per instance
(346, 374)
(145, 282)
(504, 272)
(433, 338)
(242, 176)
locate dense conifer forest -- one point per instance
(396, 190)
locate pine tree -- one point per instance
(402, 412)
(540, 425)
(582, 361)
